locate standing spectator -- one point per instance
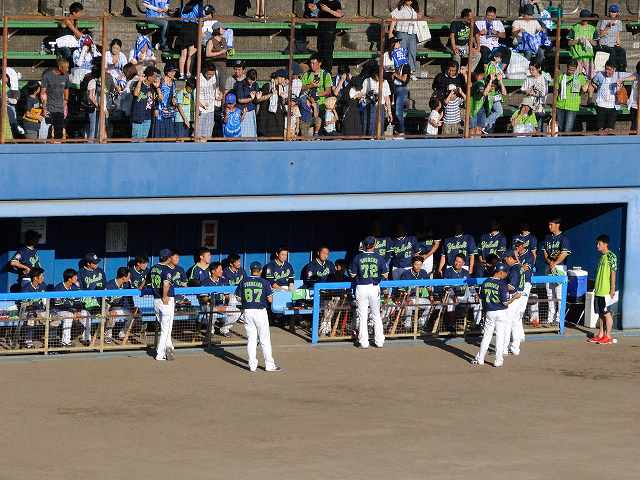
(477, 113)
(164, 126)
(375, 104)
(405, 25)
(536, 87)
(569, 89)
(114, 57)
(185, 103)
(247, 94)
(633, 98)
(488, 33)
(54, 96)
(330, 120)
(156, 11)
(240, 8)
(524, 120)
(351, 115)
(460, 37)
(605, 290)
(260, 15)
(329, 9)
(522, 31)
(210, 100)
(556, 249)
(232, 120)
(609, 38)
(401, 77)
(279, 272)
(317, 84)
(146, 96)
(239, 74)
(216, 51)
(606, 85)
(272, 113)
(435, 117)
(120, 119)
(191, 11)
(26, 257)
(492, 110)
(33, 113)
(460, 244)
(452, 120)
(582, 39)
(450, 76)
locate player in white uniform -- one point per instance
(515, 285)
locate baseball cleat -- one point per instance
(276, 369)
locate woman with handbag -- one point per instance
(610, 95)
(404, 21)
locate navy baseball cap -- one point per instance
(92, 258)
(255, 266)
(518, 242)
(510, 253)
(614, 8)
(166, 252)
(500, 267)
(369, 241)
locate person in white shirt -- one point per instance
(527, 23)
(633, 98)
(435, 117)
(210, 99)
(406, 29)
(488, 33)
(605, 85)
(371, 88)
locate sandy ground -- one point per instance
(562, 410)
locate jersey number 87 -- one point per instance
(252, 294)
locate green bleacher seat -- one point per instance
(44, 24)
(30, 55)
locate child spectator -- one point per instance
(330, 117)
(164, 126)
(32, 117)
(232, 117)
(145, 96)
(142, 51)
(435, 117)
(495, 64)
(524, 119)
(450, 76)
(569, 89)
(309, 120)
(185, 102)
(609, 38)
(452, 103)
(582, 39)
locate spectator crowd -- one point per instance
(147, 99)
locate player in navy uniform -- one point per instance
(428, 249)
(32, 308)
(460, 244)
(420, 294)
(199, 272)
(403, 247)
(91, 277)
(233, 273)
(121, 309)
(26, 257)
(368, 269)
(528, 239)
(255, 295)
(68, 309)
(216, 301)
(556, 248)
(495, 301)
(320, 269)
(162, 281)
(279, 271)
(139, 268)
(514, 330)
(465, 295)
(527, 260)
(493, 242)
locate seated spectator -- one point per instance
(142, 52)
(247, 95)
(526, 32)
(185, 104)
(114, 57)
(633, 98)
(524, 119)
(156, 12)
(210, 100)
(450, 76)
(582, 39)
(459, 37)
(232, 126)
(164, 125)
(54, 96)
(375, 104)
(569, 89)
(33, 112)
(495, 65)
(146, 96)
(190, 12)
(452, 120)
(216, 51)
(606, 85)
(493, 94)
(535, 86)
(330, 120)
(488, 33)
(435, 117)
(85, 57)
(609, 38)
(69, 35)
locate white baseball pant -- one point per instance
(494, 321)
(231, 316)
(256, 324)
(418, 303)
(368, 299)
(118, 315)
(67, 323)
(514, 330)
(427, 265)
(554, 294)
(164, 315)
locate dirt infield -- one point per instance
(408, 411)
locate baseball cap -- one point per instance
(614, 8)
(91, 258)
(510, 253)
(500, 267)
(230, 98)
(369, 241)
(170, 67)
(528, 101)
(296, 69)
(282, 73)
(255, 266)
(585, 13)
(166, 252)
(528, 9)
(209, 10)
(237, 63)
(518, 242)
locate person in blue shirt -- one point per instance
(68, 309)
(190, 12)
(139, 268)
(156, 12)
(233, 273)
(495, 301)
(232, 117)
(320, 269)
(162, 281)
(216, 301)
(26, 257)
(198, 273)
(461, 298)
(418, 295)
(555, 248)
(527, 260)
(279, 272)
(493, 242)
(528, 239)
(32, 308)
(121, 309)
(516, 281)
(368, 269)
(91, 277)
(255, 295)
(247, 95)
(461, 243)
(403, 248)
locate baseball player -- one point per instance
(427, 250)
(516, 281)
(556, 249)
(91, 277)
(421, 294)
(527, 260)
(199, 272)
(320, 269)
(68, 309)
(233, 273)
(383, 244)
(139, 268)
(32, 307)
(255, 293)
(26, 257)
(279, 271)
(461, 294)
(495, 301)
(216, 301)
(528, 239)
(493, 242)
(460, 244)
(368, 269)
(403, 249)
(162, 281)
(120, 308)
